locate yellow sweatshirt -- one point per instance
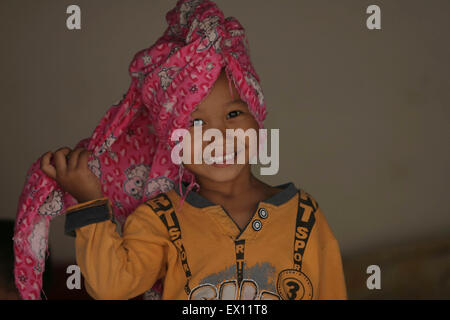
(287, 250)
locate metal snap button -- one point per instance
(257, 225)
(262, 212)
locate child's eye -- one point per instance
(233, 114)
(197, 122)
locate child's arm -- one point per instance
(116, 267)
(331, 274)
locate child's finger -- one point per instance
(61, 161)
(46, 167)
(83, 159)
(73, 160)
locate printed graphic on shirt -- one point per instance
(239, 248)
(163, 207)
(293, 284)
(258, 284)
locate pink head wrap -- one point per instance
(131, 145)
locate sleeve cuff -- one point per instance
(87, 204)
(86, 213)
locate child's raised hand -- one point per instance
(72, 173)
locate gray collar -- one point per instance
(196, 200)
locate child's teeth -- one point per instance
(224, 159)
(229, 156)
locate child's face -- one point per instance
(221, 111)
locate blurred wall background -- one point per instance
(363, 114)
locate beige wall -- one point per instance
(363, 115)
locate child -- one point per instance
(234, 237)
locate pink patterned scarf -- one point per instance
(131, 145)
